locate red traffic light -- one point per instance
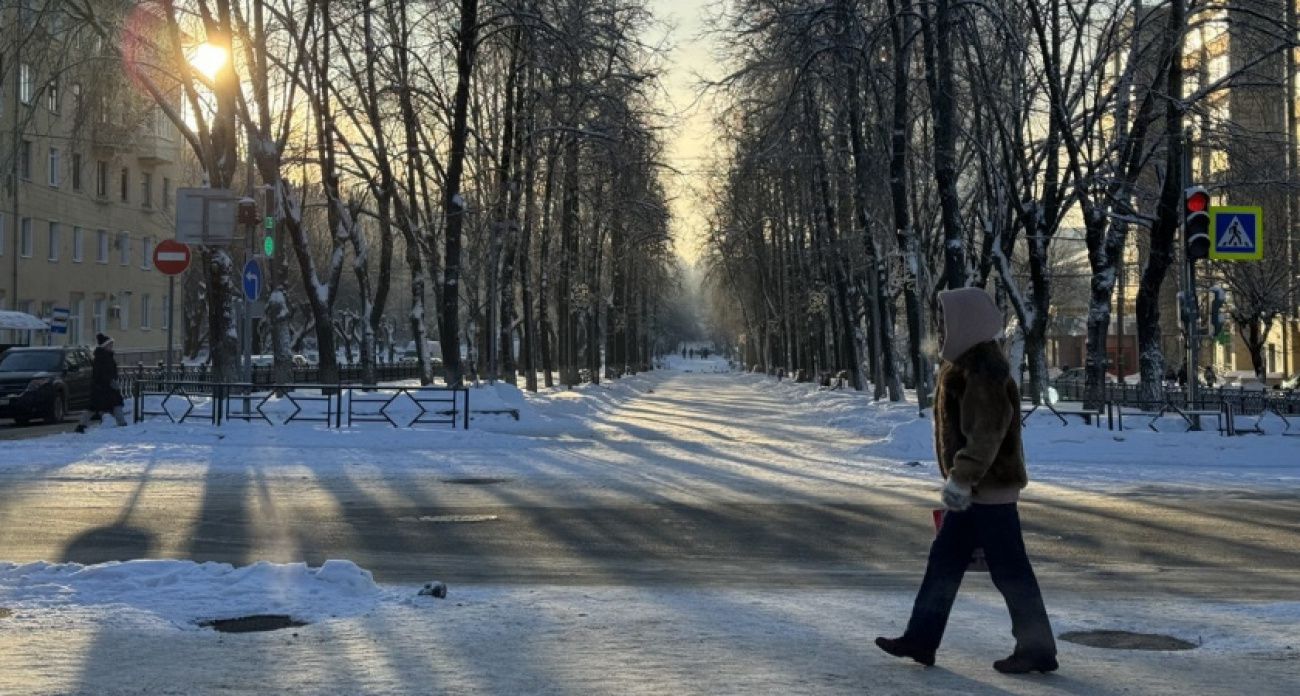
(1196, 199)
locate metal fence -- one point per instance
(264, 375)
(1241, 400)
(335, 406)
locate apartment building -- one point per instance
(90, 170)
(1246, 137)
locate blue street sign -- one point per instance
(59, 320)
(1237, 232)
(252, 279)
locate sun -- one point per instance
(208, 59)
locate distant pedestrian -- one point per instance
(1182, 376)
(105, 394)
(1210, 377)
(977, 442)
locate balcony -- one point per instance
(152, 149)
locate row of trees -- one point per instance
(502, 155)
(879, 152)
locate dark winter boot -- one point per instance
(1023, 664)
(902, 647)
(81, 430)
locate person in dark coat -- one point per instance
(977, 442)
(105, 396)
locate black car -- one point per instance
(44, 383)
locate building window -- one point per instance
(166, 312)
(126, 184)
(25, 160)
(146, 308)
(78, 242)
(77, 101)
(100, 317)
(146, 252)
(102, 240)
(101, 178)
(25, 83)
(167, 194)
(52, 95)
(124, 248)
(53, 172)
(75, 309)
(124, 311)
(54, 241)
(146, 189)
(25, 238)
(76, 171)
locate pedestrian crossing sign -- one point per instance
(1236, 232)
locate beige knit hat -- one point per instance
(970, 317)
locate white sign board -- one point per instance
(205, 216)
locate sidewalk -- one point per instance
(575, 640)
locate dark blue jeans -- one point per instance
(996, 528)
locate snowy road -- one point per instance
(702, 481)
(700, 533)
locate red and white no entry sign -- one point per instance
(171, 257)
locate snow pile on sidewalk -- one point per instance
(1071, 453)
(180, 593)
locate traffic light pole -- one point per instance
(1189, 295)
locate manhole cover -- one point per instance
(472, 481)
(257, 622)
(6, 612)
(1127, 640)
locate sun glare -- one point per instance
(208, 59)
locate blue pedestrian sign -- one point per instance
(1236, 232)
(252, 279)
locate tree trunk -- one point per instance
(565, 313)
(901, 33)
(1165, 229)
(943, 100)
(453, 202)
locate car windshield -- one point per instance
(33, 361)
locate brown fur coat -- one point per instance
(977, 425)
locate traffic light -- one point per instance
(1196, 222)
(1185, 309)
(1217, 297)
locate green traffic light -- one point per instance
(268, 245)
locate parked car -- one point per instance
(269, 360)
(433, 349)
(44, 382)
(1292, 382)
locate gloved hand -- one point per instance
(955, 495)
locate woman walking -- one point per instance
(977, 442)
(105, 397)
